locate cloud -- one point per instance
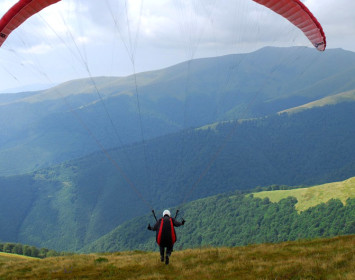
(6, 5)
(38, 49)
(338, 21)
(177, 24)
(160, 33)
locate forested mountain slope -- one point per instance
(240, 219)
(70, 205)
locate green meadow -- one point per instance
(314, 259)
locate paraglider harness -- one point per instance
(170, 221)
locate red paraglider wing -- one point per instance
(293, 10)
(299, 15)
(20, 12)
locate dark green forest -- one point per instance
(29, 251)
(234, 220)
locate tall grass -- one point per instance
(316, 259)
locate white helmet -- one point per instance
(166, 212)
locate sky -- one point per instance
(85, 38)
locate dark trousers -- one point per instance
(169, 250)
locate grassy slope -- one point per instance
(317, 259)
(309, 197)
(6, 257)
(348, 96)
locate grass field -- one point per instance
(348, 96)
(309, 197)
(11, 257)
(316, 259)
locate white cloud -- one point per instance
(38, 49)
(338, 21)
(6, 5)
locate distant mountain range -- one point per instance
(39, 129)
(210, 126)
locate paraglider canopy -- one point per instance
(293, 10)
(299, 15)
(19, 13)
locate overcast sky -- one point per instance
(81, 38)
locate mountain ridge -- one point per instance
(348, 96)
(70, 193)
(190, 94)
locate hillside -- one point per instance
(40, 129)
(310, 197)
(240, 219)
(73, 204)
(348, 96)
(6, 257)
(320, 259)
